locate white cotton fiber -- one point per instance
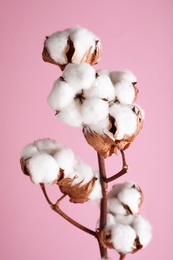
(143, 230)
(102, 127)
(29, 151)
(125, 93)
(71, 115)
(130, 197)
(122, 76)
(126, 120)
(124, 220)
(123, 237)
(43, 168)
(83, 40)
(66, 160)
(56, 46)
(113, 193)
(96, 194)
(93, 110)
(102, 88)
(61, 95)
(110, 221)
(115, 206)
(83, 172)
(79, 76)
(47, 145)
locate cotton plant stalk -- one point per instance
(103, 105)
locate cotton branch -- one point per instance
(57, 209)
(120, 173)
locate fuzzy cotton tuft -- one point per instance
(143, 230)
(79, 76)
(43, 168)
(123, 238)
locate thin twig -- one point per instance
(120, 173)
(103, 206)
(57, 209)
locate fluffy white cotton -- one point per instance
(43, 168)
(102, 88)
(143, 230)
(83, 172)
(123, 237)
(56, 45)
(114, 206)
(29, 151)
(93, 110)
(122, 76)
(125, 93)
(124, 220)
(138, 108)
(71, 114)
(130, 197)
(66, 160)
(61, 95)
(47, 145)
(96, 194)
(79, 76)
(126, 120)
(83, 40)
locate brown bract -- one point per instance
(105, 145)
(91, 56)
(78, 193)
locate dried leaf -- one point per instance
(78, 193)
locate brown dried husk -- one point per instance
(69, 54)
(105, 145)
(78, 193)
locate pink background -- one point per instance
(136, 35)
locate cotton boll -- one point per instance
(126, 120)
(143, 230)
(114, 206)
(123, 237)
(110, 222)
(61, 95)
(93, 110)
(96, 194)
(47, 145)
(102, 88)
(71, 115)
(43, 168)
(138, 108)
(56, 45)
(83, 40)
(103, 72)
(66, 160)
(125, 76)
(125, 93)
(29, 151)
(79, 76)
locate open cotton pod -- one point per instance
(116, 131)
(37, 161)
(72, 45)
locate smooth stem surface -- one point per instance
(122, 257)
(103, 205)
(120, 173)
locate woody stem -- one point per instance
(122, 257)
(103, 206)
(57, 209)
(120, 173)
